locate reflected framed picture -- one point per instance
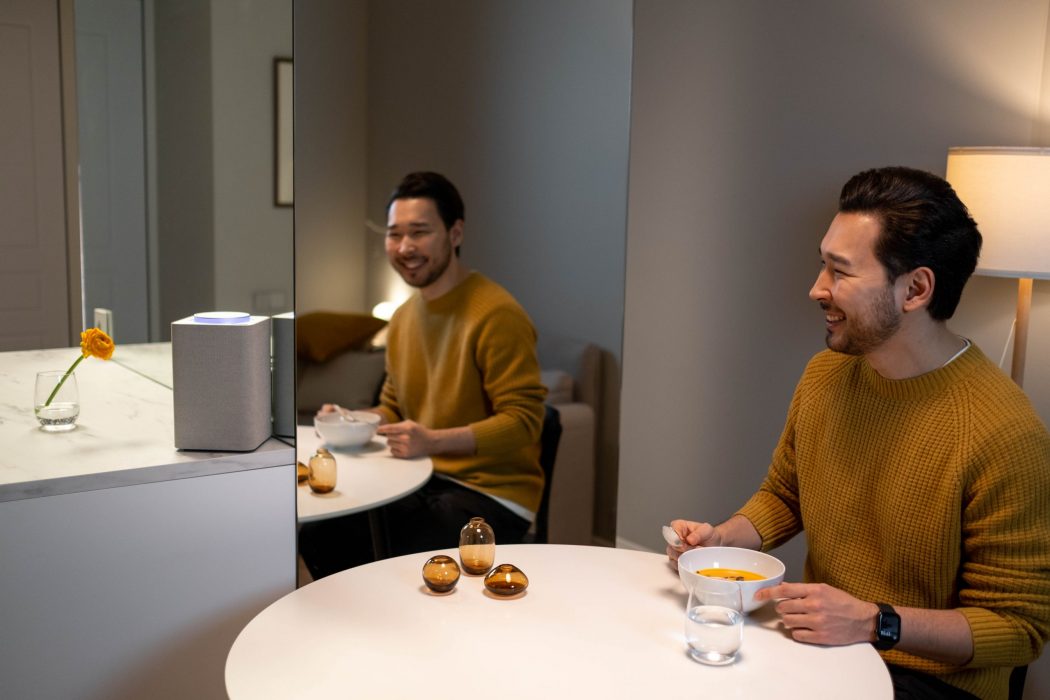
(283, 191)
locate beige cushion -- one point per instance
(559, 385)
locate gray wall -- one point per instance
(253, 238)
(330, 135)
(747, 118)
(220, 239)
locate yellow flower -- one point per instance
(93, 343)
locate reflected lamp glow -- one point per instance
(1007, 191)
(386, 309)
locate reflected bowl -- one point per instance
(342, 430)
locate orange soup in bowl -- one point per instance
(730, 574)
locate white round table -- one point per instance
(594, 623)
(366, 477)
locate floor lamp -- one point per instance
(1007, 191)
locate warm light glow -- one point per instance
(384, 310)
(1007, 191)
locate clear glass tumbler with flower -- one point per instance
(56, 396)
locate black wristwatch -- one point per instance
(887, 627)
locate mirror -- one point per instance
(525, 107)
(176, 134)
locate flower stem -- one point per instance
(63, 380)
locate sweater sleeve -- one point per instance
(774, 509)
(1005, 578)
(388, 405)
(506, 357)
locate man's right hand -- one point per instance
(693, 535)
(735, 532)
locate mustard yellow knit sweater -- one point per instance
(930, 492)
(469, 358)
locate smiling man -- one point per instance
(462, 386)
(919, 472)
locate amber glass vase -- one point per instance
(321, 472)
(477, 547)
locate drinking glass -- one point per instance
(61, 413)
(714, 622)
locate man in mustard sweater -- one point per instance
(919, 472)
(462, 387)
(463, 383)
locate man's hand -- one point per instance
(693, 535)
(331, 408)
(407, 439)
(817, 613)
(735, 532)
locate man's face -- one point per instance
(418, 245)
(861, 307)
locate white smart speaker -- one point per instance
(221, 381)
(284, 374)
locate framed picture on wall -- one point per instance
(283, 192)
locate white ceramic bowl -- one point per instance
(732, 558)
(339, 431)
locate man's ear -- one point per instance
(455, 234)
(918, 290)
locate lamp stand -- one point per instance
(1024, 307)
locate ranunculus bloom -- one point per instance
(95, 343)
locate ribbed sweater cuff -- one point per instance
(994, 642)
(492, 436)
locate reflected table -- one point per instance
(367, 477)
(594, 623)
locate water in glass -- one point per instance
(714, 623)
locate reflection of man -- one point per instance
(463, 383)
(919, 472)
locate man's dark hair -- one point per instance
(432, 186)
(924, 224)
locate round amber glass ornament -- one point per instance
(506, 580)
(440, 573)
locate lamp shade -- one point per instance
(1007, 191)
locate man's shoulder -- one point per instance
(828, 363)
(486, 296)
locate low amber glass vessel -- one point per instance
(477, 547)
(321, 473)
(506, 579)
(441, 573)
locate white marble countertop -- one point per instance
(125, 434)
(151, 360)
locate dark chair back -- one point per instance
(1017, 678)
(549, 439)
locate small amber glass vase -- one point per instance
(322, 472)
(477, 547)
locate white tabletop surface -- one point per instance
(367, 477)
(125, 433)
(594, 623)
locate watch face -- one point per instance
(888, 627)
